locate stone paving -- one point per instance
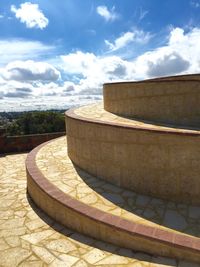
(97, 112)
(56, 166)
(30, 238)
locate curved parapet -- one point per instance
(168, 100)
(53, 193)
(146, 158)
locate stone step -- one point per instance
(163, 100)
(161, 161)
(109, 213)
(28, 237)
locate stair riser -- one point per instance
(97, 224)
(171, 101)
(168, 163)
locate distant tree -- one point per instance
(37, 122)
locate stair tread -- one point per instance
(55, 165)
(28, 237)
(96, 113)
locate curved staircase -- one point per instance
(126, 180)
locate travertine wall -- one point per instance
(158, 163)
(172, 100)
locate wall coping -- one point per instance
(72, 115)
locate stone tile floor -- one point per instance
(56, 166)
(30, 238)
(97, 112)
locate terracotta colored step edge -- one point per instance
(101, 225)
(72, 115)
(178, 78)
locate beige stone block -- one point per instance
(32, 264)
(13, 241)
(81, 263)
(35, 224)
(61, 245)
(3, 244)
(13, 256)
(64, 261)
(13, 232)
(35, 238)
(94, 256)
(42, 253)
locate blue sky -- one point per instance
(59, 53)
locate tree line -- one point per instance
(35, 122)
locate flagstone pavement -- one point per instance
(30, 238)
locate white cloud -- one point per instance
(78, 62)
(108, 15)
(86, 72)
(15, 89)
(137, 36)
(121, 41)
(177, 36)
(30, 71)
(20, 49)
(143, 14)
(168, 65)
(94, 70)
(31, 15)
(180, 55)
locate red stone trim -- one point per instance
(171, 239)
(72, 115)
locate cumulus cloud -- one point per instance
(168, 65)
(68, 88)
(108, 15)
(86, 72)
(31, 15)
(126, 38)
(181, 55)
(18, 93)
(78, 62)
(94, 70)
(88, 64)
(30, 71)
(14, 89)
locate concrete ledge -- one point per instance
(101, 225)
(174, 100)
(131, 156)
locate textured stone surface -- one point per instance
(174, 100)
(132, 154)
(37, 241)
(112, 199)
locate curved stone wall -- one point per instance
(101, 225)
(161, 163)
(171, 100)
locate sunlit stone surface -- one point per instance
(30, 238)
